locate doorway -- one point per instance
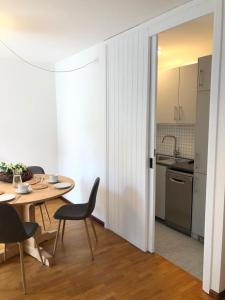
(181, 139)
(128, 118)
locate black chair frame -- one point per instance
(13, 230)
(78, 212)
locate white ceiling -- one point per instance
(49, 30)
(183, 44)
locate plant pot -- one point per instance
(8, 177)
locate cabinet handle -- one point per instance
(177, 181)
(201, 78)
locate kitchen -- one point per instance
(184, 77)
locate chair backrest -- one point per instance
(11, 227)
(36, 170)
(92, 198)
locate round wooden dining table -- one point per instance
(25, 206)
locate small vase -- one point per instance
(16, 179)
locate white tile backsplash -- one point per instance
(185, 135)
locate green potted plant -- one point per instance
(7, 171)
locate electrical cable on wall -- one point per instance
(43, 68)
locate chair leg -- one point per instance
(22, 268)
(42, 216)
(39, 251)
(94, 230)
(63, 229)
(89, 240)
(56, 239)
(4, 257)
(47, 212)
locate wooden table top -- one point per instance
(36, 196)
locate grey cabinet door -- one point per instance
(188, 94)
(160, 191)
(198, 206)
(167, 99)
(204, 73)
(177, 92)
(179, 200)
(201, 134)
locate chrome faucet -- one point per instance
(175, 151)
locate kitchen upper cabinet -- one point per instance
(202, 120)
(188, 94)
(167, 102)
(160, 191)
(204, 73)
(177, 92)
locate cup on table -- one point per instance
(53, 178)
(23, 188)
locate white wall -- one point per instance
(81, 113)
(27, 115)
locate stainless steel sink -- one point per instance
(169, 160)
(180, 160)
(161, 157)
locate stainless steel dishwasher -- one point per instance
(178, 207)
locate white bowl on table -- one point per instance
(62, 185)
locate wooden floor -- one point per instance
(120, 271)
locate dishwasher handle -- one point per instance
(175, 180)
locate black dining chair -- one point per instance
(40, 170)
(13, 230)
(78, 212)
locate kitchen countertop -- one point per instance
(183, 167)
(177, 164)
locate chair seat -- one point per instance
(72, 212)
(30, 228)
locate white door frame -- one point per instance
(194, 12)
(153, 53)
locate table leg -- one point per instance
(8, 251)
(28, 215)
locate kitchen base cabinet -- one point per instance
(198, 206)
(179, 189)
(160, 191)
(201, 132)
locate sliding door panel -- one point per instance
(127, 97)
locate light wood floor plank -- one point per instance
(120, 271)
